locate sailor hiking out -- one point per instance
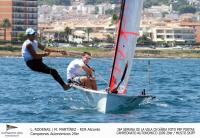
(34, 60)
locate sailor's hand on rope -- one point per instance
(46, 54)
(92, 69)
(90, 72)
(63, 52)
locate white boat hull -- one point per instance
(122, 102)
(108, 102)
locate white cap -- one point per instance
(30, 31)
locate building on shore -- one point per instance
(196, 26)
(166, 30)
(100, 27)
(21, 14)
(173, 34)
(193, 21)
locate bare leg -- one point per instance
(86, 82)
(93, 84)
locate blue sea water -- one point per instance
(27, 96)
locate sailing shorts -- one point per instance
(75, 80)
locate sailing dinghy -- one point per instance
(115, 98)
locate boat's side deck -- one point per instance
(88, 90)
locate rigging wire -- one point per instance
(101, 78)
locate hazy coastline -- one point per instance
(105, 52)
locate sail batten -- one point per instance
(128, 32)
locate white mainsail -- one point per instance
(128, 32)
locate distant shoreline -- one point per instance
(100, 53)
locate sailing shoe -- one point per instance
(66, 87)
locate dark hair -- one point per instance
(86, 53)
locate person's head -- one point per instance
(30, 33)
(86, 56)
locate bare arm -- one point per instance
(34, 54)
(87, 70)
(51, 50)
(63, 52)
